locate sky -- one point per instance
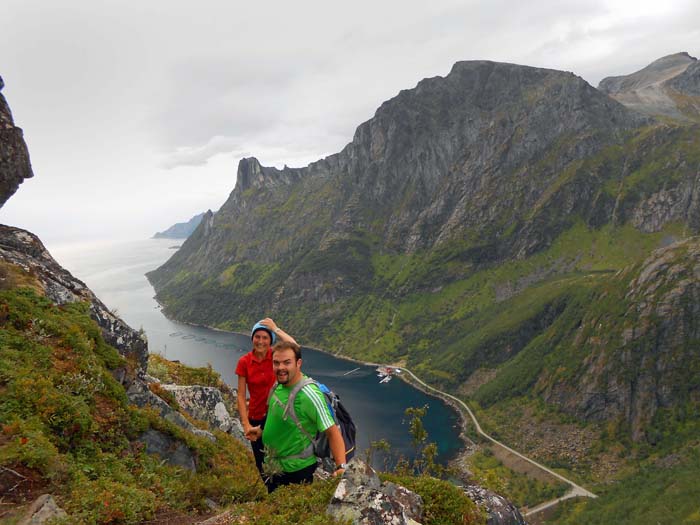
(136, 113)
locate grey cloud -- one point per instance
(199, 155)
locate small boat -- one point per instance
(385, 373)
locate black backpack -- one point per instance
(320, 446)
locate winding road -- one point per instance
(574, 491)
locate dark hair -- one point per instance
(284, 345)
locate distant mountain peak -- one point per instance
(181, 230)
(661, 89)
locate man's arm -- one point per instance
(335, 440)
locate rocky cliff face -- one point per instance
(642, 362)
(465, 163)
(666, 87)
(14, 157)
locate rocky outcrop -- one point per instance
(181, 230)
(14, 156)
(669, 86)
(206, 404)
(499, 511)
(140, 395)
(681, 203)
(23, 249)
(362, 499)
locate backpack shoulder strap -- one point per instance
(289, 408)
(272, 396)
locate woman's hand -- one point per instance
(253, 433)
(270, 324)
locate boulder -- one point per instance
(363, 499)
(499, 510)
(170, 449)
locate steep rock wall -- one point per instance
(14, 156)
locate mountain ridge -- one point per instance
(372, 174)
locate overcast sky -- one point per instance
(137, 112)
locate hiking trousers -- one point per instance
(305, 475)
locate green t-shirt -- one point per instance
(282, 437)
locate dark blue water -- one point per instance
(115, 272)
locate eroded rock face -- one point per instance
(14, 156)
(362, 498)
(645, 359)
(681, 203)
(499, 510)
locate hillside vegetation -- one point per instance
(67, 428)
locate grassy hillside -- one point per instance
(67, 428)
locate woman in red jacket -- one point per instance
(254, 371)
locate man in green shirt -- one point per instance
(289, 448)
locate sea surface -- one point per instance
(115, 271)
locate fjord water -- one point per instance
(115, 271)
